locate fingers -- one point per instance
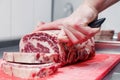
(37, 28)
(80, 34)
(92, 31)
(87, 30)
(48, 26)
(41, 23)
(71, 36)
(76, 34)
(62, 37)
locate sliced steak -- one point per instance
(20, 57)
(27, 71)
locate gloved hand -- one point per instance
(76, 25)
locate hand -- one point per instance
(76, 25)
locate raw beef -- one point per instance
(50, 42)
(28, 71)
(45, 47)
(30, 58)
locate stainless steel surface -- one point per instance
(115, 76)
(110, 47)
(111, 75)
(108, 42)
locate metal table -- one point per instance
(110, 47)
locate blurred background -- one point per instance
(63, 8)
(19, 17)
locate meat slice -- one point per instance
(27, 71)
(50, 42)
(20, 57)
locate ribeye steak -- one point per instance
(50, 42)
(20, 57)
(28, 71)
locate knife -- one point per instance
(97, 23)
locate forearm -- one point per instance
(99, 5)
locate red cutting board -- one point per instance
(94, 69)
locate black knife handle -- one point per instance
(97, 23)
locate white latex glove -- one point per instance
(76, 25)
